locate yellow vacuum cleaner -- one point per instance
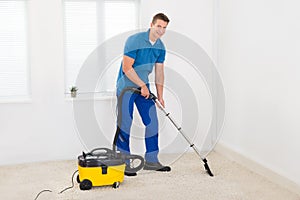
(103, 166)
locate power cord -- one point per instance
(72, 183)
(60, 191)
(41, 193)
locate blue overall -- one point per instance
(147, 111)
(145, 56)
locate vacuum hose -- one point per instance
(129, 157)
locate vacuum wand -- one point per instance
(155, 99)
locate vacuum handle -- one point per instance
(151, 96)
(138, 91)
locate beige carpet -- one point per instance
(187, 180)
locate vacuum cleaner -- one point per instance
(100, 167)
(103, 167)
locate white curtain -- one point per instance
(14, 81)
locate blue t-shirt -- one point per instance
(145, 55)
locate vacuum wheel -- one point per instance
(85, 184)
(77, 178)
(116, 185)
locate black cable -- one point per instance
(60, 191)
(72, 183)
(41, 193)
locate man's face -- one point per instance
(158, 28)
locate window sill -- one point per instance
(91, 96)
(15, 100)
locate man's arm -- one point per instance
(132, 75)
(159, 82)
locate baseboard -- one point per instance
(257, 168)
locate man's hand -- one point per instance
(145, 91)
(162, 102)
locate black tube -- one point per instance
(119, 118)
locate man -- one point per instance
(143, 51)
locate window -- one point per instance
(88, 23)
(13, 50)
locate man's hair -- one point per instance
(160, 16)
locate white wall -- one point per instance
(43, 128)
(259, 61)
